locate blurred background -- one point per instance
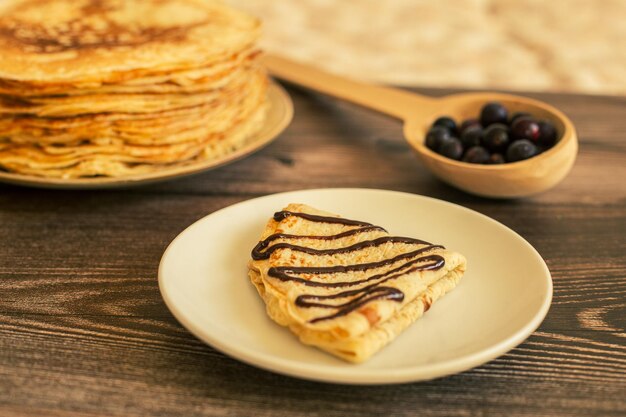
(574, 46)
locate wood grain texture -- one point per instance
(84, 332)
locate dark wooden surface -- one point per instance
(84, 332)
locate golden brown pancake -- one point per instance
(46, 41)
(181, 81)
(347, 286)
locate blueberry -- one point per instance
(525, 129)
(472, 136)
(518, 115)
(496, 158)
(436, 136)
(493, 113)
(467, 124)
(451, 148)
(496, 137)
(547, 134)
(476, 155)
(520, 150)
(446, 122)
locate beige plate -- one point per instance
(278, 118)
(500, 301)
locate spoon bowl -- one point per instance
(509, 180)
(418, 112)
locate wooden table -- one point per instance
(84, 331)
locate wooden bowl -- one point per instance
(510, 180)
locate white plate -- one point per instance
(501, 300)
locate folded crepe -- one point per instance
(347, 286)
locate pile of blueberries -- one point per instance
(494, 138)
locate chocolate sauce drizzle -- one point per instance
(258, 253)
(282, 215)
(417, 260)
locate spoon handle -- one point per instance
(391, 101)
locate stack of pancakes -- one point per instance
(116, 88)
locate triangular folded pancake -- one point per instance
(347, 286)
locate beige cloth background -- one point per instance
(526, 45)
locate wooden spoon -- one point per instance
(418, 112)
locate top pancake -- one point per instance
(94, 41)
